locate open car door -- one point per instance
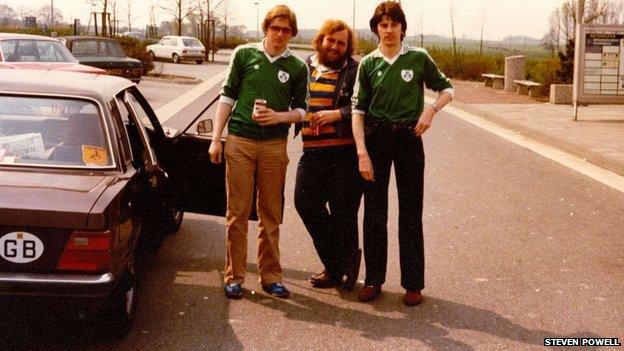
(194, 183)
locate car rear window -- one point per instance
(52, 132)
(191, 42)
(29, 50)
(97, 48)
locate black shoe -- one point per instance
(352, 269)
(233, 291)
(324, 281)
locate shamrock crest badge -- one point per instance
(407, 74)
(283, 76)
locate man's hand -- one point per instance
(267, 117)
(327, 117)
(216, 151)
(366, 167)
(424, 122)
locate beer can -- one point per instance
(258, 103)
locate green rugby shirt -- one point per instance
(252, 74)
(392, 90)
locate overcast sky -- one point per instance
(504, 17)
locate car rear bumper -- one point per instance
(192, 56)
(57, 285)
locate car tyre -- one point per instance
(199, 62)
(151, 56)
(175, 58)
(120, 312)
(173, 220)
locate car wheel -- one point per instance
(120, 312)
(173, 221)
(199, 62)
(175, 58)
(151, 56)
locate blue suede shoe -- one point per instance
(277, 290)
(233, 291)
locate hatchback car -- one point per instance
(104, 53)
(39, 52)
(177, 48)
(88, 175)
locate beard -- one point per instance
(324, 59)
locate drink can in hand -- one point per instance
(258, 104)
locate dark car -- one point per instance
(25, 51)
(88, 176)
(104, 53)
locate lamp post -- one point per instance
(51, 14)
(257, 20)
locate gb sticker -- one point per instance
(407, 74)
(283, 76)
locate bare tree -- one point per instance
(43, 16)
(420, 25)
(452, 16)
(179, 10)
(595, 11)
(129, 16)
(482, 18)
(7, 15)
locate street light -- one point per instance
(257, 20)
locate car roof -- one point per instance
(8, 36)
(87, 37)
(178, 36)
(96, 86)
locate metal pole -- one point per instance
(51, 14)
(580, 9)
(353, 20)
(257, 20)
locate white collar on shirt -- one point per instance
(286, 53)
(391, 60)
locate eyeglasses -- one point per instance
(285, 30)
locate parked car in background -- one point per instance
(39, 52)
(176, 49)
(104, 53)
(88, 175)
(134, 34)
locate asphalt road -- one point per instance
(518, 248)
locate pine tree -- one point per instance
(566, 60)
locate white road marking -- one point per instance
(599, 174)
(168, 110)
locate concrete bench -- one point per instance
(526, 87)
(495, 81)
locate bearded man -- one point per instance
(328, 187)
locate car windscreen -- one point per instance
(28, 50)
(191, 42)
(52, 132)
(97, 48)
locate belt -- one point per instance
(389, 126)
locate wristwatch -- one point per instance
(435, 108)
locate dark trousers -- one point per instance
(327, 197)
(401, 147)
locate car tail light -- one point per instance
(88, 251)
(137, 72)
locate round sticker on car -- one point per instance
(20, 247)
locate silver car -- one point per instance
(176, 49)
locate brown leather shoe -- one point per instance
(352, 269)
(324, 281)
(412, 297)
(369, 293)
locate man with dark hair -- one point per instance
(328, 189)
(389, 99)
(265, 90)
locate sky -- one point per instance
(504, 17)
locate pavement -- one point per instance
(596, 137)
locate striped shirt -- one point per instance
(322, 89)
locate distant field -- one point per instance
(535, 52)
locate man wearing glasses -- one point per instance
(265, 90)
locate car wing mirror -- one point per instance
(204, 126)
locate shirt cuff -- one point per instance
(227, 100)
(302, 112)
(450, 91)
(354, 111)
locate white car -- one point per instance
(176, 49)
